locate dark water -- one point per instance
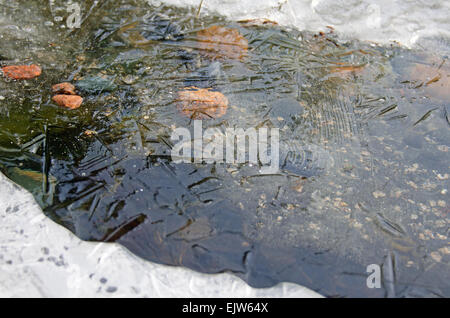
(364, 133)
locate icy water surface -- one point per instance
(364, 132)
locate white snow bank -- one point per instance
(381, 21)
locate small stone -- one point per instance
(398, 194)
(413, 168)
(436, 256)
(2, 97)
(314, 226)
(111, 289)
(81, 58)
(129, 79)
(357, 225)
(445, 250)
(90, 132)
(21, 72)
(441, 237)
(69, 101)
(412, 184)
(298, 187)
(64, 88)
(96, 85)
(443, 148)
(378, 194)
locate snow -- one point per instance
(381, 21)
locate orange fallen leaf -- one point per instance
(220, 42)
(201, 103)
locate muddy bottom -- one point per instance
(364, 144)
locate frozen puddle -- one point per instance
(364, 147)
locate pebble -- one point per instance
(445, 250)
(69, 101)
(378, 194)
(111, 289)
(96, 85)
(21, 72)
(436, 256)
(129, 79)
(64, 88)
